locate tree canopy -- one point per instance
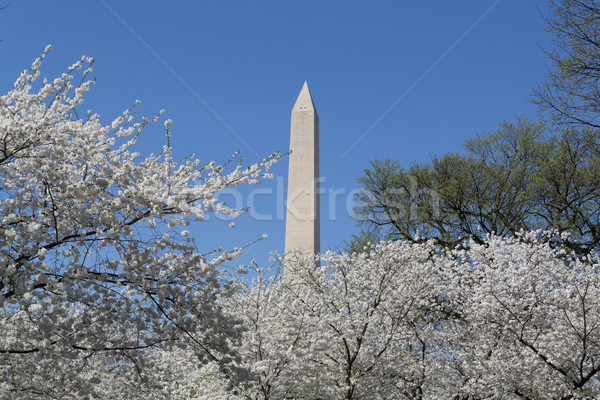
(517, 178)
(97, 266)
(524, 176)
(493, 291)
(505, 319)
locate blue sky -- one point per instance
(437, 71)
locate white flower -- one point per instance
(35, 308)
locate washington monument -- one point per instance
(302, 219)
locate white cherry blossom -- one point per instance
(93, 273)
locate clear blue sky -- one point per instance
(448, 68)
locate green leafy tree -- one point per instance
(518, 178)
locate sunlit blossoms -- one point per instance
(95, 271)
(104, 294)
(510, 318)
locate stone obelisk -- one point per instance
(302, 219)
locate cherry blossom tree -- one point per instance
(529, 324)
(505, 319)
(276, 325)
(104, 294)
(358, 326)
(97, 268)
(369, 322)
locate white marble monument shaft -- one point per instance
(302, 220)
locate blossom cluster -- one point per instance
(95, 272)
(104, 294)
(506, 319)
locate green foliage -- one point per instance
(517, 178)
(361, 241)
(520, 177)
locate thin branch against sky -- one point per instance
(460, 39)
